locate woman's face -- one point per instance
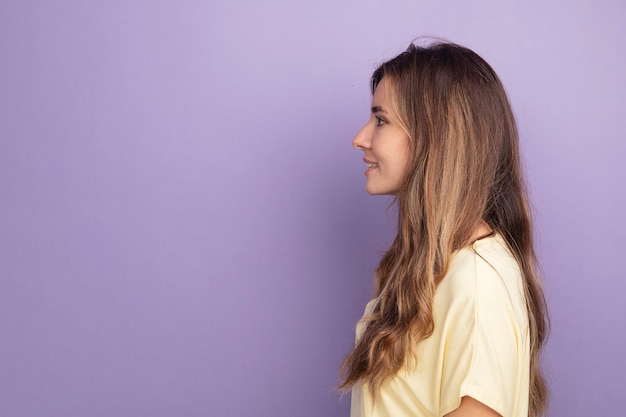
(385, 144)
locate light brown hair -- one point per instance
(464, 168)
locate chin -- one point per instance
(381, 188)
(380, 191)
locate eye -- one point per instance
(380, 121)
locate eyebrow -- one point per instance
(378, 109)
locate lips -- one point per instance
(370, 164)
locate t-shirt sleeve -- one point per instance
(482, 340)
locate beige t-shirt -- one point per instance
(479, 348)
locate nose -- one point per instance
(363, 139)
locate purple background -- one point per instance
(184, 229)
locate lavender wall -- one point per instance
(183, 225)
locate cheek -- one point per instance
(402, 169)
(403, 153)
(403, 161)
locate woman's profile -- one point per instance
(458, 317)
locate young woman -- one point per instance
(459, 317)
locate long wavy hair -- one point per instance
(464, 169)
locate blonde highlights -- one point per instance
(464, 170)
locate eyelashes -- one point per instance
(379, 120)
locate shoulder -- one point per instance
(484, 274)
(488, 259)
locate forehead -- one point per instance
(384, 98)
(384, 93)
